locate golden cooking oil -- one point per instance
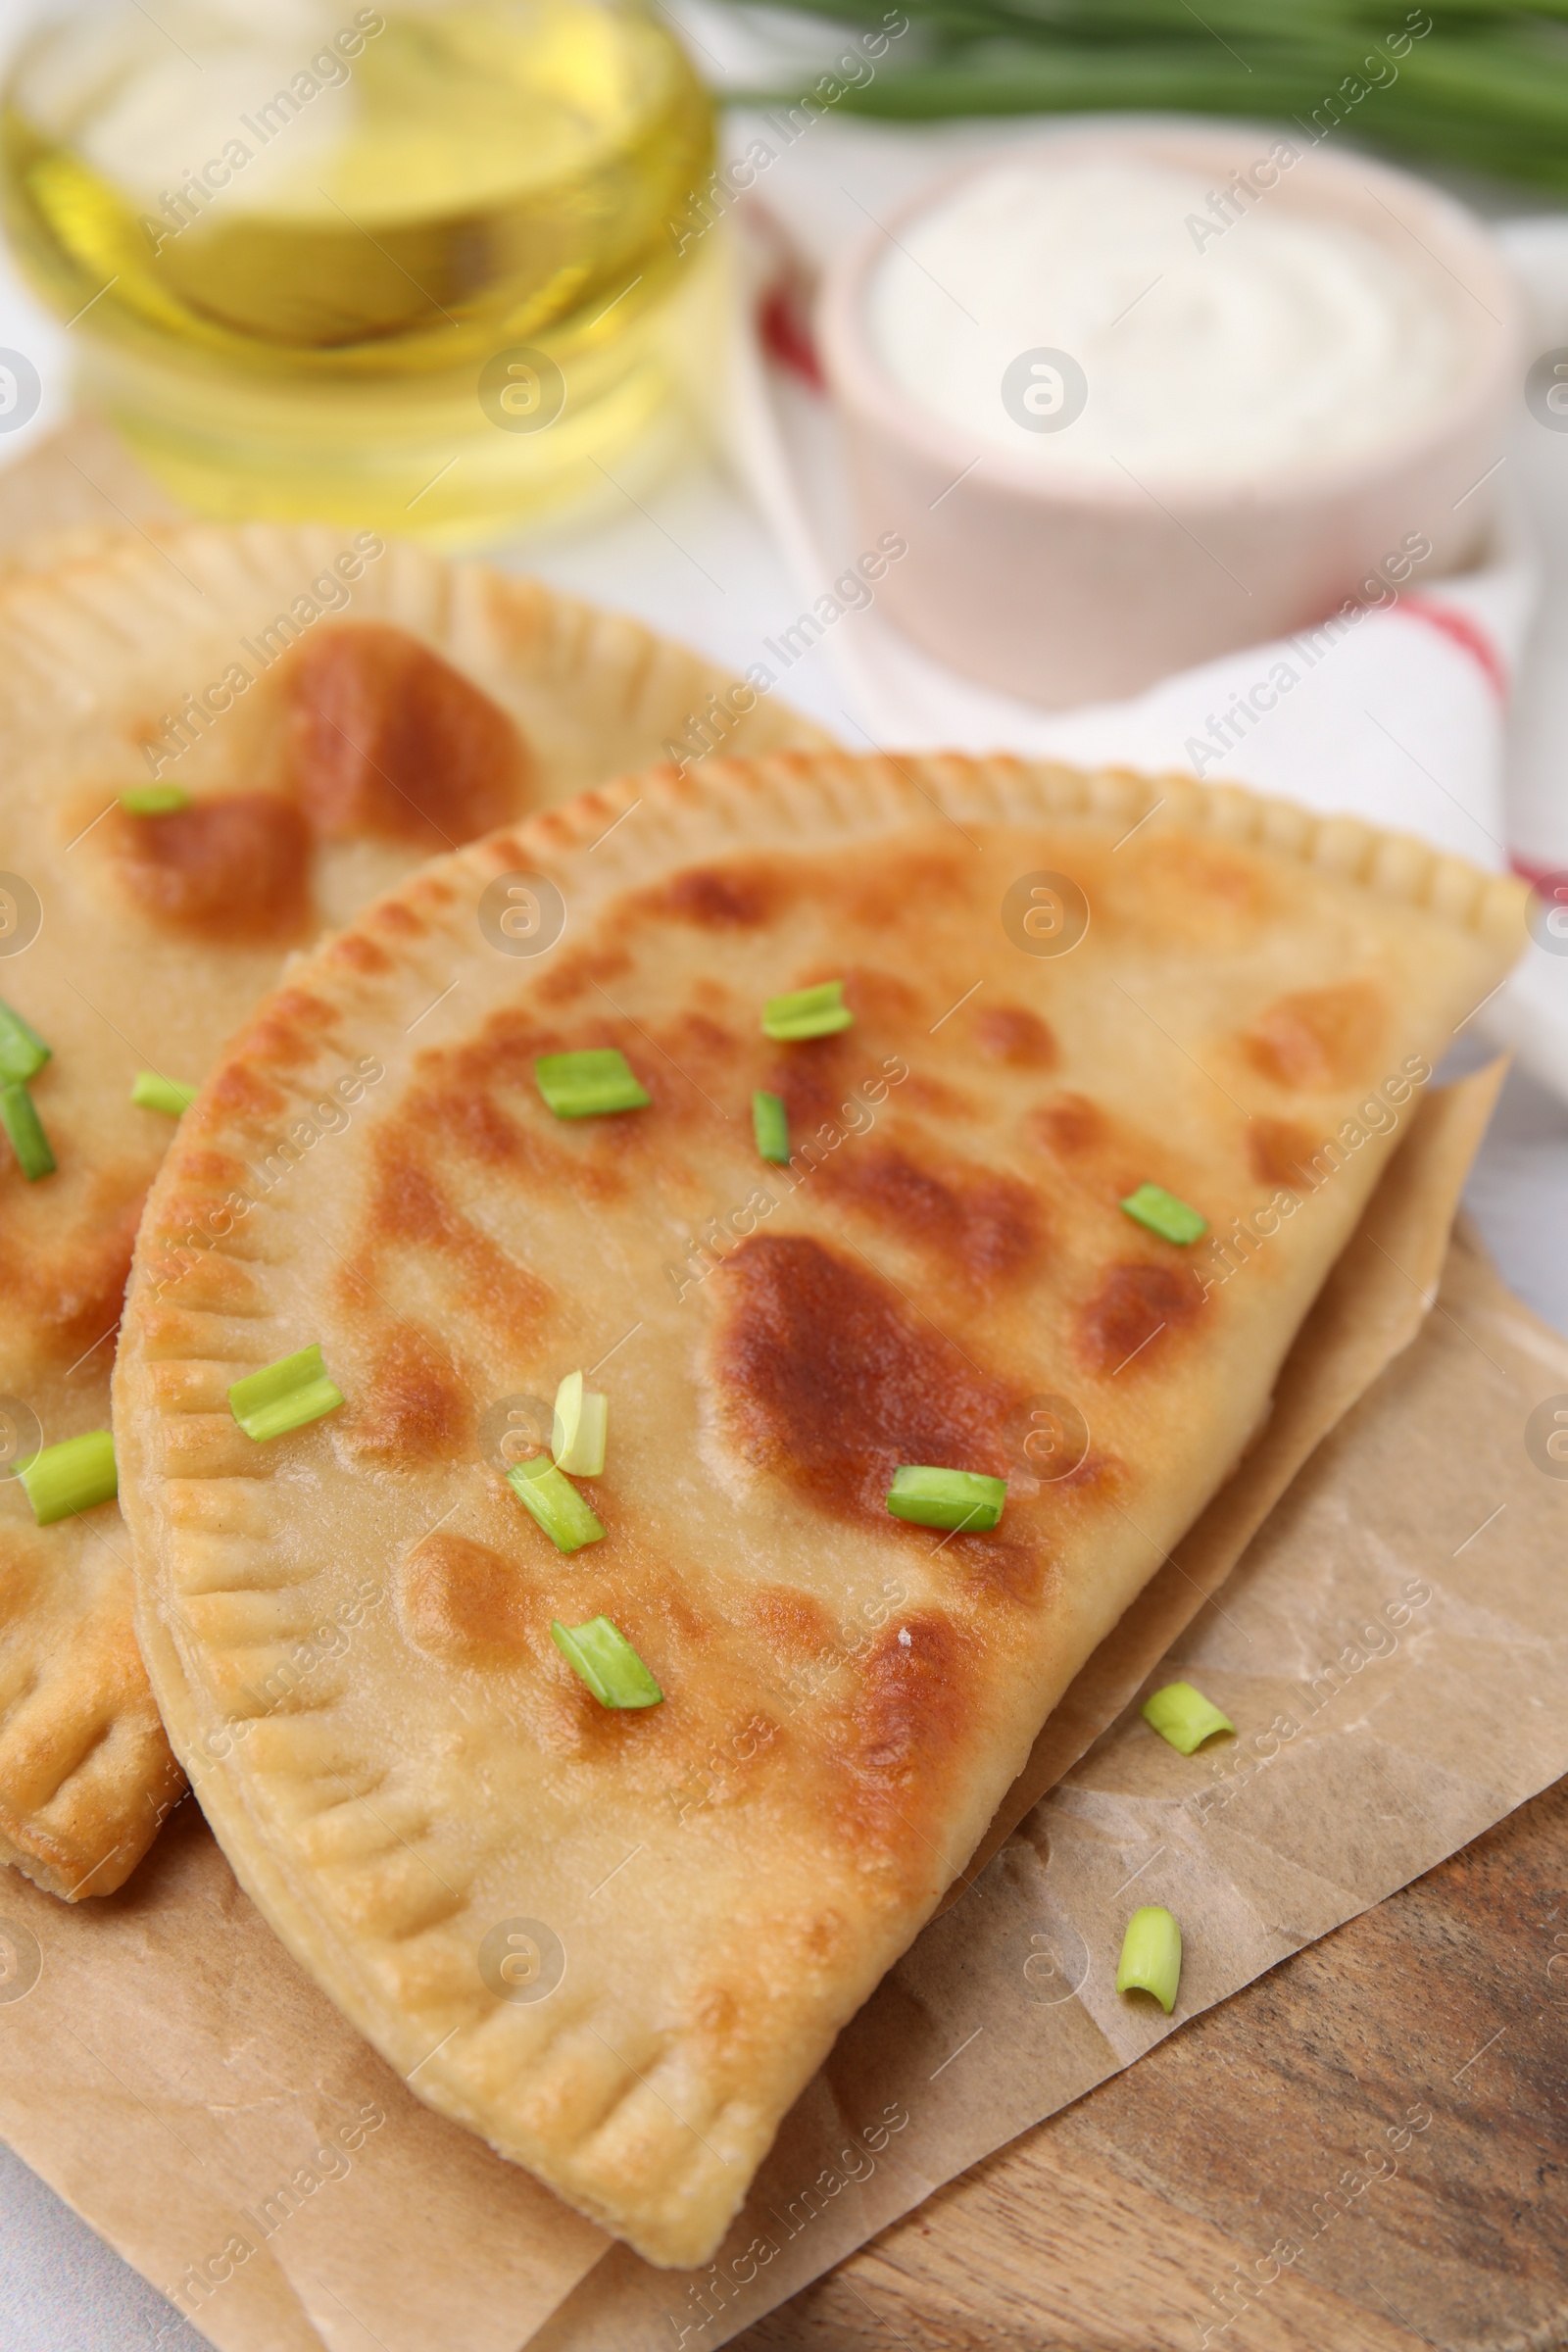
(430, 264)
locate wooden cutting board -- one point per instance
(1123, 2223)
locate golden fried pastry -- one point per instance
(600, 1791)
(218, 743)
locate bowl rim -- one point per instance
(862, 386)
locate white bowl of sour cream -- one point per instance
(1135, 397)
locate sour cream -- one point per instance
(1210, 341)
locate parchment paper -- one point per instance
(179, 2080)
(175, 2077)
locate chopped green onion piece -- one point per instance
(1152, 1955)
(555, 1502)
(947, 1498)
(581, 1425)
(770, 1124)
(71, 1477)
(154, 800)
(20, 1117)
(1164, 1214)
(600, 1653)
(1184, 1716)
(806, 1013)
(23, 1052)
(153, 1092)
(284, 1396)
(583, 1086)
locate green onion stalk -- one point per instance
(1469, 83)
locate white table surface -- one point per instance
(695, 563)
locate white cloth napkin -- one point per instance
(1400, 715)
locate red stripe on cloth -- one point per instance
(786, 336)
(1460, 630)
(1541, 878)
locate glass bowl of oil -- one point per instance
(428, 264)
